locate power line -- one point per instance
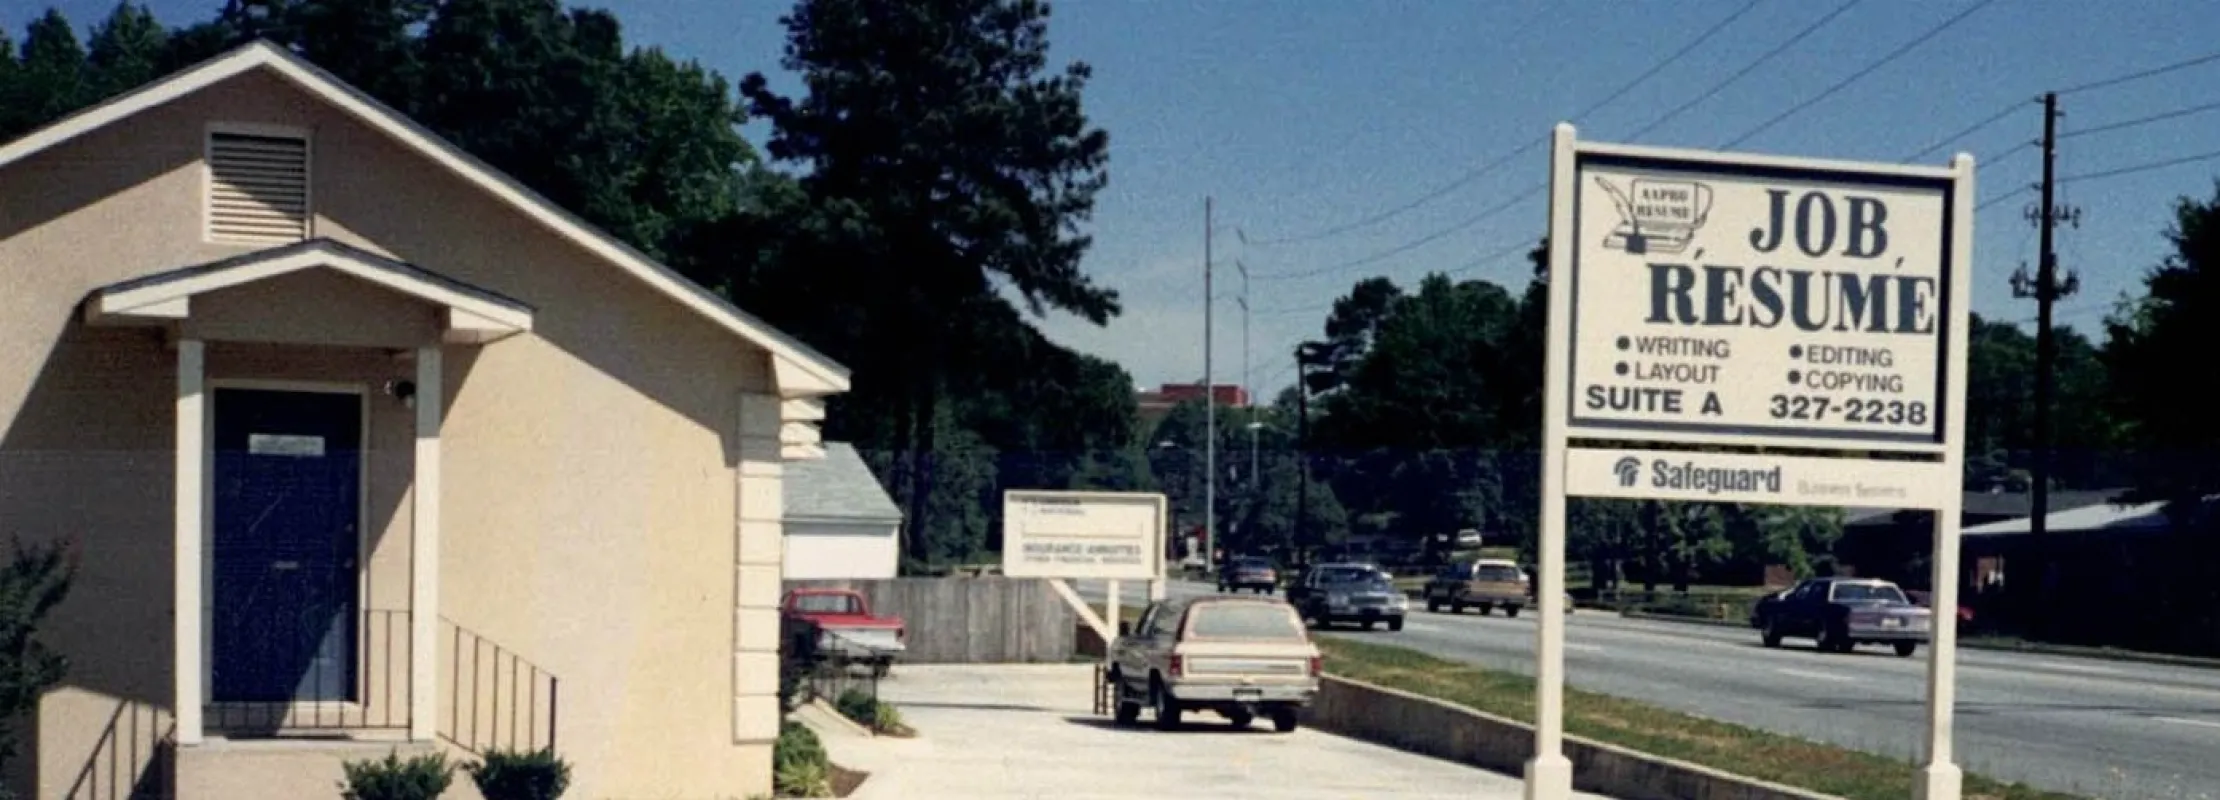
(1899, 52)
(2144, 167)
(1969, 131)
(2136, 76)
(2140, 121)
(1985, 204)
(1490, 166)
(1412, 244)
(1746, 69)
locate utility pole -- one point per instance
(1210, 405)
(1302, 454)
(2046, 288)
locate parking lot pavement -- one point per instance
(1028, 731)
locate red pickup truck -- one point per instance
(843, 627)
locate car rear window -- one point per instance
(1854, 592)
(1243, 621)
(826, 604)
(1498, 572)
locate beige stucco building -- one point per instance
(363, 446)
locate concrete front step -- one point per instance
(239, 769)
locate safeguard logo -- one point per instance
(1686, 475)
(1628, 470)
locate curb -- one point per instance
(1451, 732)
(2031, 648)
(827, 715)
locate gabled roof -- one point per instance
(799, 370)
(839, 488)
(473, 314)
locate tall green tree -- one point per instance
(944, 159)
(53, 79)
(2155, 349)
(126, 51)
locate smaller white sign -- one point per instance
(285, 445)
(1768, 479)
(1088, 535)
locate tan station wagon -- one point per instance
(1484, 584)
(1239, 657)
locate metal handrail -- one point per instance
(502, 687)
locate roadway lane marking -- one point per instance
(2066, 667)
(2201, 723)
(1817, 676)
(1585, 648)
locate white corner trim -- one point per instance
(799, 433)
(172, 299)
(801, 452)
(824, 376)
(807, 409)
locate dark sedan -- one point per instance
(1842, 613)
(1348, 592)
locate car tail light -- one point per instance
(1317, 666)
(1179, 665)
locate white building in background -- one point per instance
(840, 523)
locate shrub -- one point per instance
(856, 705)
(868, 711)
(799, 766)
(804, 780)
(422, 777)
(31, 584)
(520, 775)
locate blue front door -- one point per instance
(284, 545)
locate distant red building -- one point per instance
(1153, 405)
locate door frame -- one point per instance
(208, 513)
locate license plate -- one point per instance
(1248, 694)
(1891, 622)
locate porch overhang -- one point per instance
(469, 314)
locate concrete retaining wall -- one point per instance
(990, 620)
(1426, 726)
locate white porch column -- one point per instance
(424, 549)
(190, 515)
(759, 553)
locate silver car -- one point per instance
(1239, 657)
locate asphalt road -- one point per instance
(2097, 728)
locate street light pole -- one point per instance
(1210, 406)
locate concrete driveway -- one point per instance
(1027, 731)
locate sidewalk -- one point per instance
(1006, 732)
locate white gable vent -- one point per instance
(257, 187)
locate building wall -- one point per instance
(841, 550)
(592, 468)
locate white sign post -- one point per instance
(1749, 304)
(1109, 536)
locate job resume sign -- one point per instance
(1794, 304)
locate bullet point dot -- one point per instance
(1622, 368)
(1795, 351)
(1625, 343)
(1794, 376)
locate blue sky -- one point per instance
(1303, 115)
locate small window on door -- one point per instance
(258, 186)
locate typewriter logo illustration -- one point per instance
(1656, 216)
